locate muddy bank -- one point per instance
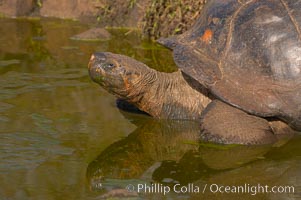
(12, 8)
(155, 18)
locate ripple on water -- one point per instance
(26, 150)
(15, 83)
(4, 63)
(44, 124)
(5, 106)
(4, 119)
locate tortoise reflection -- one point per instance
(166, 152)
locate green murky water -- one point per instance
(62, 137)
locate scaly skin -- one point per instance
(162, 95)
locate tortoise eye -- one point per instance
(109, 65)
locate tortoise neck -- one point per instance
(168, 96)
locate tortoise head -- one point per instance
(116, 73)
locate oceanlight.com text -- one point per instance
(212, 188)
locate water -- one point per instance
(62, 137)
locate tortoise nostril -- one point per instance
(98, 56)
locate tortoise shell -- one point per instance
(248, 54)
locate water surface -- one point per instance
(62, 137)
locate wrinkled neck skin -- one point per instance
(166, 96)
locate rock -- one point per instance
(93, 34)
(14, 8)
(68, 9)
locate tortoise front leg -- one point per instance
(222, 123)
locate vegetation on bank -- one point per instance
(169, 17)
